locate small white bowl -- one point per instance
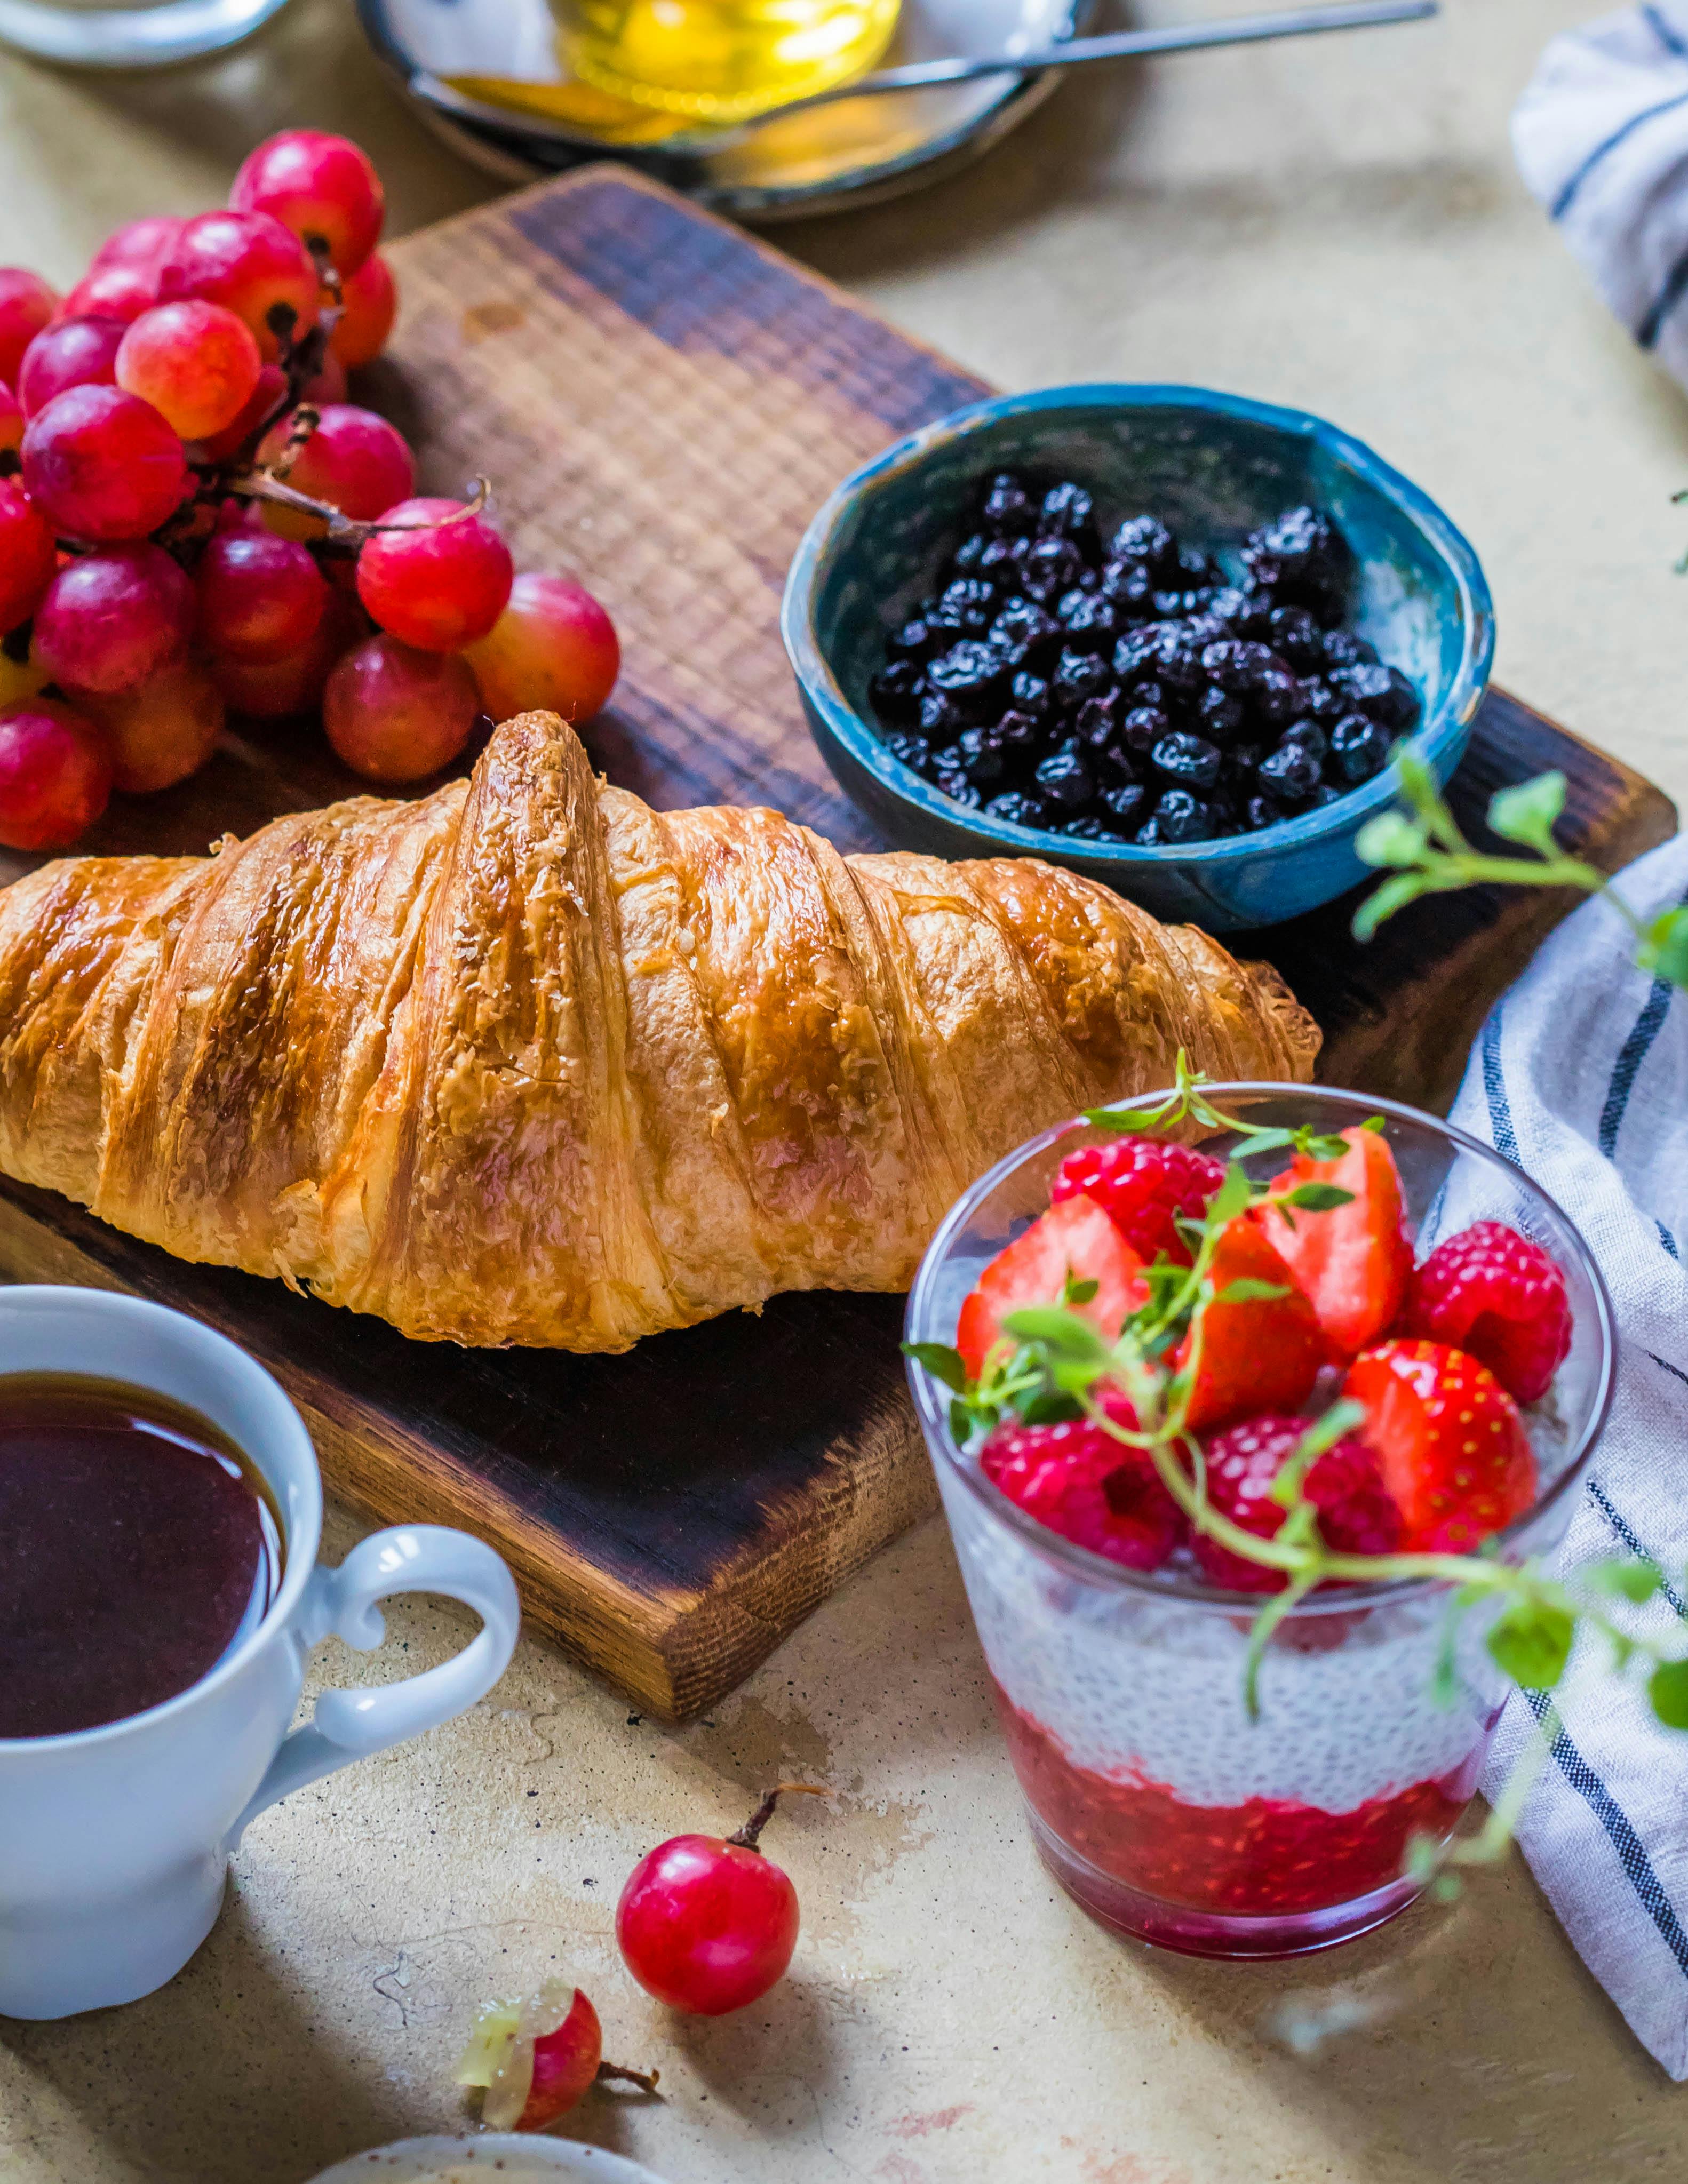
(513, 2157)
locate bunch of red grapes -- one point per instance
(194, 520)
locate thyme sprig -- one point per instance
(1053, 1364)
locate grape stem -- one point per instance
(749, 1836)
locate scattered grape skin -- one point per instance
(260, 597)
(55, 775)
(103, 465)
(354, 460)
(248, 263)
(321, 187)
(433, 575)
(195, 362)
(69, 353)
(394, 714)
(111, 619)
(371, 301)
(27, 305)
(553, 648)
(161, 732)
(28, 559)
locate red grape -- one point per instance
(276, 689)
(195, 362)
(69, 353)
(371, 302)
(354, 459)
(27, 305)
(144, 242)
(260, 406)
(328, 385)
(437, 578)
(707, 1925)
(11, 420)
(28, 559)
(322, 187)
(248, 263)
(55, 775)
(260, 597)
(552, 648)
(102, 464)
(394, 714)
(112, 619)
(114, 292)
(164, 731)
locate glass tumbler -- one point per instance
(145, 34)
(721, 60)
(1155, 1800)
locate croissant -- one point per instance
(525, 1061)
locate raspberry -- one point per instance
(1355, 1514)
(1140, 1184)
(1078, 1481)
(1500, 1298)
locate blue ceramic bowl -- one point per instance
(1214, 467)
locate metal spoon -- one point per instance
(917, 75)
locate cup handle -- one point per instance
(350, 1725)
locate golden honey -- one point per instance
(719, 60)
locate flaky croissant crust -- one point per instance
(525, 1061)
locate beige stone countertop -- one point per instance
(1336, 224)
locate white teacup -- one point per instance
(114, 1842)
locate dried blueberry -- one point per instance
(967, 607)
(1126, 803)
(1190, 760)
(1229, 605)
(1066, 778)
(1030, 693)
(1239, 666)
(1289, 773)
(1359, 748)
(941, 715)
(1147, 837)
(1296, 638)
(1166, 653)
(1309, 735)
(1098, 719)
(1261, 811)
(1077, 676)
(1089, 615)
(968, 554)
(1146, 539)
(913, 641)
(1087, 829)
(1023, 626)
(1218, 714)
(1277, 698)
(1181, 817)
(1323, 794)
(1342, 649)
(968, 673)
(1143, 727)
(1301, 556)
(1007, 506)
(1019, 809)
(1018, 731)
(911, 751)
(1195, 567)
(1001, 560)
(1385, 692)
(1322, 703)
(1050, 567)
(983, 762)
(897, 690)
(1130, 586)
(960, 790)
(1067, 512)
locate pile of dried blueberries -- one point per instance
(1133, 694)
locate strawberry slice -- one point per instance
(1076, 1239)
(1257, 1354)
(1353, 1264)
(1453, 1450)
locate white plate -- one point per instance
(492, 2158)
(809, 163)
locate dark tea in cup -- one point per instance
(138, 1545)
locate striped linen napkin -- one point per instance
(1581, 1078)
(1600, 138)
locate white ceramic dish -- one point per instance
(510, 2157)
(811, 162)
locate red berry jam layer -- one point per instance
(1266, 1856)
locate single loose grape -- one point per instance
(260, 597)
(195, 362)
(321, 187)
(394, 714)
(102, 465)
(55, 775)
(252, 266)
(28, 559)
(354, 459)
(161, 732)
(69, 353)
(27, 305)
(434, 575)
(370, 302)
(111, 619)
(552, 648)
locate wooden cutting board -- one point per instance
(662, 402)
